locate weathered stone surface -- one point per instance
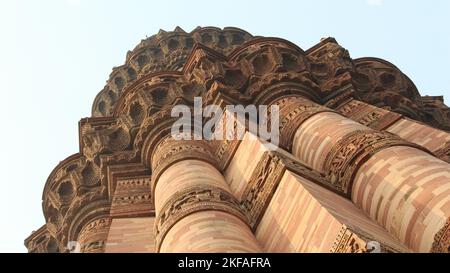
(124, 152)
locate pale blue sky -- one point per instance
(56, 55)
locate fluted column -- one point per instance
(92, 237)
(435, 140)
(195, 209)
(397, 183)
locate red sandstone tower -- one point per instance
(363, 157)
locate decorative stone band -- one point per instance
(93, 236)
(263, 184)
(225, 149)
(368, 115)
(191, 200)
(305, 171)
(347, 156)
(355, 240)
(293, 112)
(348, 242)
(444, 152)
(441, 242)
(132, 197)
(265, 179)
(170, 151)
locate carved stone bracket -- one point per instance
(191, 200)
(104, 138)
(170, 151)
(347, 156)
(293, 112)
(41, 241)
(165, 51)
(340, 96)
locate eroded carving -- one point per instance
(263, 183)
(345, 158)
(348, 242)
(368, 115)
(92, 237)
(131, 115)
(441, 242)
(132, 196)
(191, 200)
(443, 153)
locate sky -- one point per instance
(55, 56)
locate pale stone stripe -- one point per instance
(421, 134)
